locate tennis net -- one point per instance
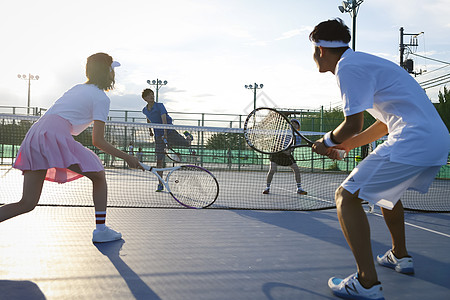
(240, 171)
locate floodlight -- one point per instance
(346, 4)
(352, 7)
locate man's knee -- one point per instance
(342, 197)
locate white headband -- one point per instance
(330, 44)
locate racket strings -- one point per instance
(269, 131)
(193, 186)
(173, 155)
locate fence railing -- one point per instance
(311, 119)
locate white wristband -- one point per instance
(327, 140)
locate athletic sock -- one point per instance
(268, 185)
(299, 185)
(100, 218)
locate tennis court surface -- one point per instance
(245, 246)
(207, 254)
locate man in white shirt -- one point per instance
(418, 144)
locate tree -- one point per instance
(332, 118)
(14, 133)
(227, 140)
(444, 106)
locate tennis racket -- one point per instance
(191, 186)
(170, 153)
(268, 131)
(174, 155)
(7, 171)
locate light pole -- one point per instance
(254, 88)
(29, 78)
(352, 7)
(158, 83)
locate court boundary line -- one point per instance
(419, 227)
(307, 196)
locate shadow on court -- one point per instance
(303, 223)
(278, 290)
(137, 286)
(19, 290)
(325, 228)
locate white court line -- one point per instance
(420, 227)
(306, 196)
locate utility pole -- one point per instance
(408, 64)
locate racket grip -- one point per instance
(342, 153)
(145, 167)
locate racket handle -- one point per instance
(145, 167)
(342, 153)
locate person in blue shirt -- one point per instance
(157, 113)
(285, 158)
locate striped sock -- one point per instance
(100, 218)
(299, 185)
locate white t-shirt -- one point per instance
(81, 105)
(417, 135)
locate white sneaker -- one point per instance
(107, 235)
(350, 288)
(301, 191)
(403, 265)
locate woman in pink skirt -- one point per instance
(49, 151)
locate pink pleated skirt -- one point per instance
(49, 145)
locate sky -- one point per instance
(207, 50)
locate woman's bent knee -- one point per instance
(26, 205)
(96, 176)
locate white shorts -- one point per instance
(382, 182)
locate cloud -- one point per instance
(294, 32)
(173, 90)
(204, 95)
(289, 34)
(258, 43)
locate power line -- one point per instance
(433, 79)
(440, 68)
(433, 59)
(441, 83)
